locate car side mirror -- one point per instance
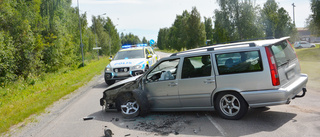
(149, 56)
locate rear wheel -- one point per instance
(231, 105)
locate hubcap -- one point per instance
(130, 107)
(229, 105)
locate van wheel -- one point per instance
(129, 106)
(230, 105)
(110, 82)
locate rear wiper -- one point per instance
(285, 63)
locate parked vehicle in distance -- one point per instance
(228, 78)
(303, 44)
(130, 61)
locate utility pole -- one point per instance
(293, 13)
(95, 36)
(81, 45)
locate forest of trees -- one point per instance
(42, 36)
(236, 20)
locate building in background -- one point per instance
(305, 35)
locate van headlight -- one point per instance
(137, 67)
(108, 68)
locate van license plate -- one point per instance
(290, 74)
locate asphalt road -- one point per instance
(65, 119)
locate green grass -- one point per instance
(310, 64)
(20, 100)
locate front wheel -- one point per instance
(129, 106)
(231, 105)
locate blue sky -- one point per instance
(146, 17)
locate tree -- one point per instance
(236, 21)
(209, 30)
(144, 40)
(130, 39)
(313, 22)
(277, 21)
(195, 30)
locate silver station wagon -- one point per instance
(227, 78)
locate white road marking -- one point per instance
(223, 133)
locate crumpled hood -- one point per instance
(122, 82)
(126, 62)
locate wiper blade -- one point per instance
(285, 63)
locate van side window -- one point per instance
(198, 66)
(166, 70)
(239, 62)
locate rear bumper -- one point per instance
(283, 95)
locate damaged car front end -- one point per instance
(125, 96)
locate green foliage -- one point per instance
(313, 22)
(209, 30)
(129, 39)
(24, 98)
(40, 36)
(236, 21)
(186, 32)
(277, 22)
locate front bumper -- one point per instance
(121, 75)
(279, 96)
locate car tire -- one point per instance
(230, 105)
(300, 47)
(129, 106)
(142, 100)
(313, 46)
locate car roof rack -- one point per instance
(212, 47)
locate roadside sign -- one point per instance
(96, 48)
(151, 42)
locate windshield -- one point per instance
(129, 54)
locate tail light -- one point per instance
(273, 68)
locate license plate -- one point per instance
(290, 74)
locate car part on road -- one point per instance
(108, 133)
(88, 118)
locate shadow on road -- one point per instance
(197, 123)
(257, 120)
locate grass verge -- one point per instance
(309, 59)
(20, 100)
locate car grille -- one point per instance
(125, 69)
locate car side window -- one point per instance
(239, 62)
(198, 66)
(150, 51)
(166, 70)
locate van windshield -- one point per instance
(283, 53)
(129, 54)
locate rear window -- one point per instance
(239, 62)
(283, 53)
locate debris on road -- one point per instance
(127, 135)
(108, 133)
(88, 118)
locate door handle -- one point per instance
(172, 84)
(209, 81)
